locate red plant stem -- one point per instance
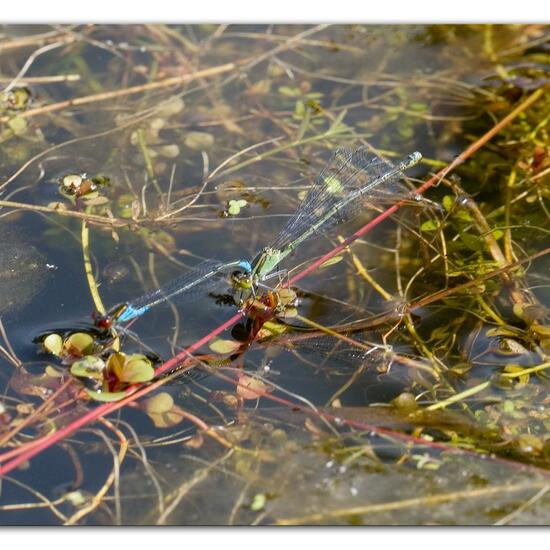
(49, 440)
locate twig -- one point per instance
(94, 98)
(114, 222)
(43, 79)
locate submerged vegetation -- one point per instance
(391, 371)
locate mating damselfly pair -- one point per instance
(351, 182)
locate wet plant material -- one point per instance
(392, 369)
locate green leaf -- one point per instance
(17, 124)
(72, 181)
(464, 215)
(331, 261)
(224, 346)
(162, 411)
(290, 92)
(258, 503)
(53, 343)
(430, 225)
(79, 343)
(235, 206)
(89, 367)
(448, 202)
(137, 369)
(270, 329)
(106, 396)
(159, 404)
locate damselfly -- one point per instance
(351, 182)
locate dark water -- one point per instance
(294, 94)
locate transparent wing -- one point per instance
(189, 286)
(348, 173)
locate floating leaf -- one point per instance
(234, 206)
(106, 396)
(199, 140)
(137, 369)
(258, 502)
(251, 388)
(18, 98)
(270, 329)
(162, 411)
(53, 343)
(160, 403)
(72, 181)
(224, 346)
(89, 367)
(79, 343)
(17, 124)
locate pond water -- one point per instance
(415, 357)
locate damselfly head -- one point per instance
(415, 157)
(241, 280)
